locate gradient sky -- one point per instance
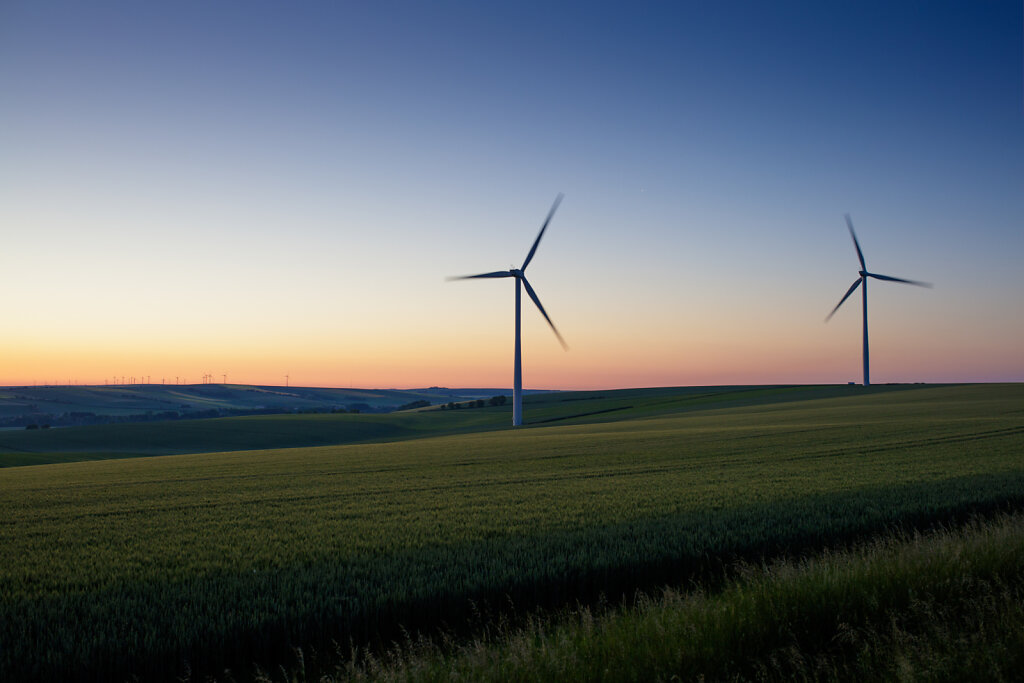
(262, 188)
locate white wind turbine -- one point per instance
(521, 281)
(862, 281)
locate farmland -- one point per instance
(134, 566)
(944, 605)
(95, 442)
(118, 403)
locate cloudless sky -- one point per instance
(265, 188)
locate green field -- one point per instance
(946, 605)
(135, 566)
(97, 442)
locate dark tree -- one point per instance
(413, 404)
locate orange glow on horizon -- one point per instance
(487, 362)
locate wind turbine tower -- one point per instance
(862, 282)
(520, 275)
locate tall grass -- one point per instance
(941, 606)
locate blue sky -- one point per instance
(264, 188)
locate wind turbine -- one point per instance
(521, 281)
(862, 282)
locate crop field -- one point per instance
(97, 442)
(154, 566)
(943, 605)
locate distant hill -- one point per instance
(307, 427)
(59, 406)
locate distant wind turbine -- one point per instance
(862, 282)
(521, 281)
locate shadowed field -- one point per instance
(941, 606)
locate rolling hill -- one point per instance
(203, 561)
(82, 405)
(178, 436)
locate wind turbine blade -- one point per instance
(860, 254)
(533, 295)
(899, 279)
(533, 249)
(846, 296)
(500, 273)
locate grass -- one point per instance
(72, 444)
(942, 606)
(96, 442)
(225, 559)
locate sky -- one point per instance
(262, 189)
